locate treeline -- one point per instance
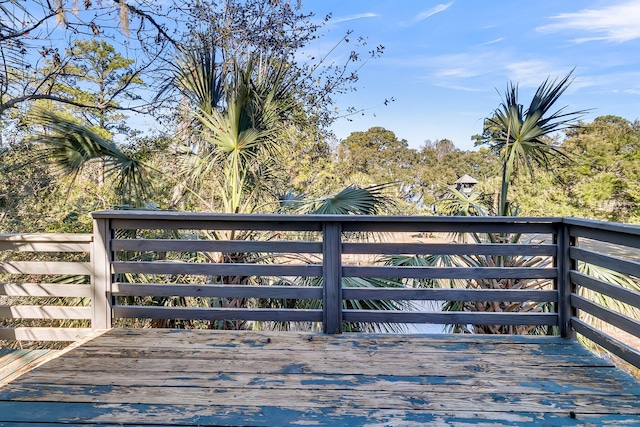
(598, 178)
(242, 125)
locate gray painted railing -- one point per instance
(326, 240)
(615, 247)
(164, 255)
(46, 286)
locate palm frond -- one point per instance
(523, 136)
(238, 123)
(70, 146)
(455, 203)
(353, 201)
(199, 76)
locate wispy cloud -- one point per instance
(617, 23)
(532, 72)
(498, 40)
(460, 88)
(467, 65)
(428, 13)
(354, 17)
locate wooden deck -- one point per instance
(15, 362)
(168, 377)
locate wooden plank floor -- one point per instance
(202, 378)
(15, 362)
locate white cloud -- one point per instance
(617, 23)
(467, 64)
(429, 13)
(354, 17)
(460, 88)
(498, 40)
(531, 73)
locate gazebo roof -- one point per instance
(466, 179)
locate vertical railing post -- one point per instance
(101, 278)
(332, 277)
(564, 263)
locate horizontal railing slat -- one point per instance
(45, 312)
(215, 269)
(175, 216)
(434, 294)
(47, 237)
(191, 313)
(607, 342)
(502, 226)
(164, 224)
(44, 246)
(174, 245)
(45, 267)
(450, 272)
(44, 290)
(44, 334)
(444, 318)
(448, 249)
(606, 236)
(606, 261)
(219, 291)
(618, 320)
(603, 225)
(614, 291)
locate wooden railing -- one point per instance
(335, 249)
(45, 286)
(615, 248)
(145, 268)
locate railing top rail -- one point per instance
(603, 225)
(206, 216)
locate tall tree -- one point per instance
(36, 31)
(520, 138)
(523, 137)
(105, 78)
(373, 152)
(603, 181)
(280, 29)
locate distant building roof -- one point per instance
(466, 179)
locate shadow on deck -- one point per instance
(207, 378)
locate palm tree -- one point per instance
(237, 114)
(523, 138)
(70, 147)
(235, 122)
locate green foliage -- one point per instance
(236, 142)
(377, 156)
(522, 137)
(603, 182)
(352, 200)
(70, 147)
(372, 152)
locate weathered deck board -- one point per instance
(14, 363)
(166, 378)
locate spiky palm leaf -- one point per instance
(351, 201)
(239, 135)
(70, 146)
(200, 77)
(455, 203)
(523, 137)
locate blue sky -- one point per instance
(447, 63)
